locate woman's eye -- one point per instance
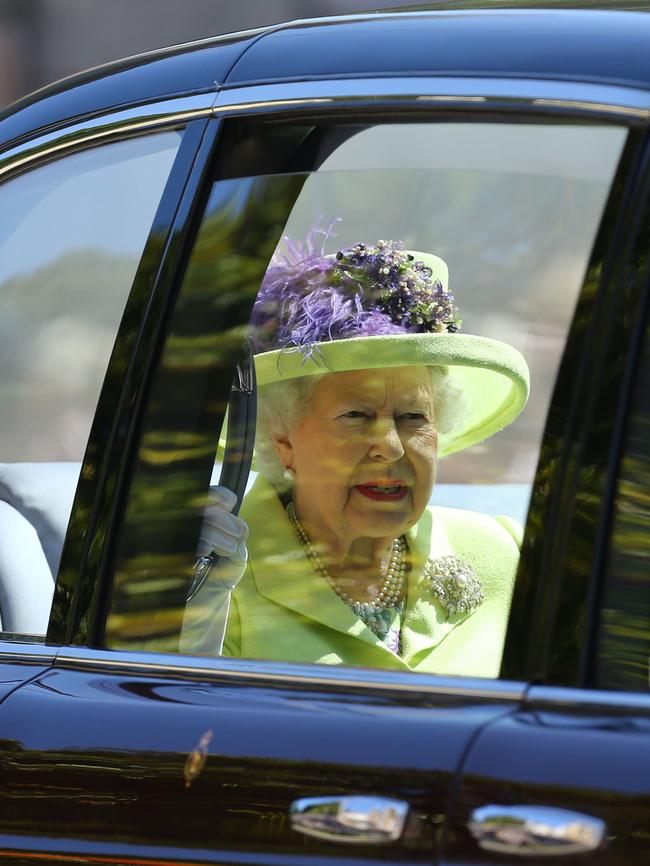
(354, 413)
(413, 416)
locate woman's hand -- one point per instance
(221, 565)
(224, 535)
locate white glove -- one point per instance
(206, 613)
(224, 535)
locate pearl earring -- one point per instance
(289, 475)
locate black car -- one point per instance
(141, 203)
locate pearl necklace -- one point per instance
(392, 585)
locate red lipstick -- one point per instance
(391, 492)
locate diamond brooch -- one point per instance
(454, 584)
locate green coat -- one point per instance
(282, 611)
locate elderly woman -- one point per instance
(364, 380)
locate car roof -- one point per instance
(574, 45)
(606, 47)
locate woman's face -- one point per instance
(364, 453)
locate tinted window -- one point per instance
(71, 236)
(513, 211)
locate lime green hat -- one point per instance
(375, 306)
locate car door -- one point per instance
(123, 749)
(130, 730)
(56, 336)
(85, 210)
(567, 773)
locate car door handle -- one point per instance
(351, 820)
(535, 830)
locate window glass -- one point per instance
(502, 217)
(71, 236)
(623, 656)
(513, 211)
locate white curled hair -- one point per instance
(282, 405)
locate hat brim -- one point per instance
(493, 375)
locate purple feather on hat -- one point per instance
(308, 298)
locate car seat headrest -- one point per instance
(43, 493)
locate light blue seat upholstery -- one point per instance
(35, 505)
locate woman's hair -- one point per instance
(282, 405)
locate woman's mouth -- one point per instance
(383, 492)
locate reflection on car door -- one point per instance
(580, 755)
(118, 755)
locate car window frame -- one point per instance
(501, 99)
(576, 476)
(188, 115)
(43, 145)
(632, 372)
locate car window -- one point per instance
(454, 246)
(71, 236)
(623, 649)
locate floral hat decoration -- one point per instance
(380, 305)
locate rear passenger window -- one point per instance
(71, 236)
(396, 284)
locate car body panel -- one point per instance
(452, 43)
(509, 43)
(147, 78)
(21, 662)
(205, 766)
(577, 750)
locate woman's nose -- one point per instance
(385, 442)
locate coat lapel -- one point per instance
(284, 575)
(425, 622)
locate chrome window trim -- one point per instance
(287, 674)
(143, 118)
(593, 100)
(557, 699)
(552, 698)
(23, 651)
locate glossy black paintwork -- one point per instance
(568, 45)
(603, 47)
(114, 750)
(15, 672)
(572, 752)
(632, 359)
(198, 68)
(621, 646)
